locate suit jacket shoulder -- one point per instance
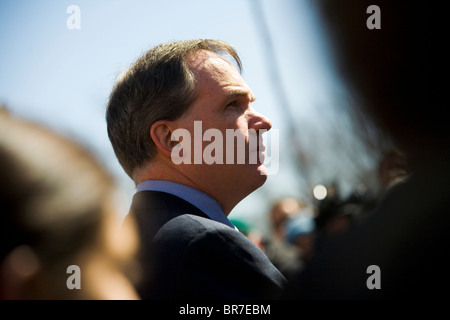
(191, 256)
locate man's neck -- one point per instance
(158, 170)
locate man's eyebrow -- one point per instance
(235, 93)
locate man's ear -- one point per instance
(161, 133)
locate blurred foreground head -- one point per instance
(389, 69)
(55, 211)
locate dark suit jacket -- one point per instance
(187, 255)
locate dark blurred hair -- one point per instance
(388, 68)
(159, 86)
(53, 194)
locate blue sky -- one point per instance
(62, 78)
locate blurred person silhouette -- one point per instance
(397, 252)
(337, 217)
(284, 254)
(336, 214)
(301, 232)
(190, 248)
(249, 230)
(330, 219)
(393, 169)
(57, 214)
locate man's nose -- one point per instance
(257, 121)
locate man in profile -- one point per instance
(190, 248)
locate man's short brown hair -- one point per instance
(158, 86)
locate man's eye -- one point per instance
(232, 104)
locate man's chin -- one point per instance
(263, 171)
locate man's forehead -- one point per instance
(210, 68)
(207, 63)
(200, 58)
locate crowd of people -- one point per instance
(176, 242)
(298, 227)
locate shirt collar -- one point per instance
(195, 197)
